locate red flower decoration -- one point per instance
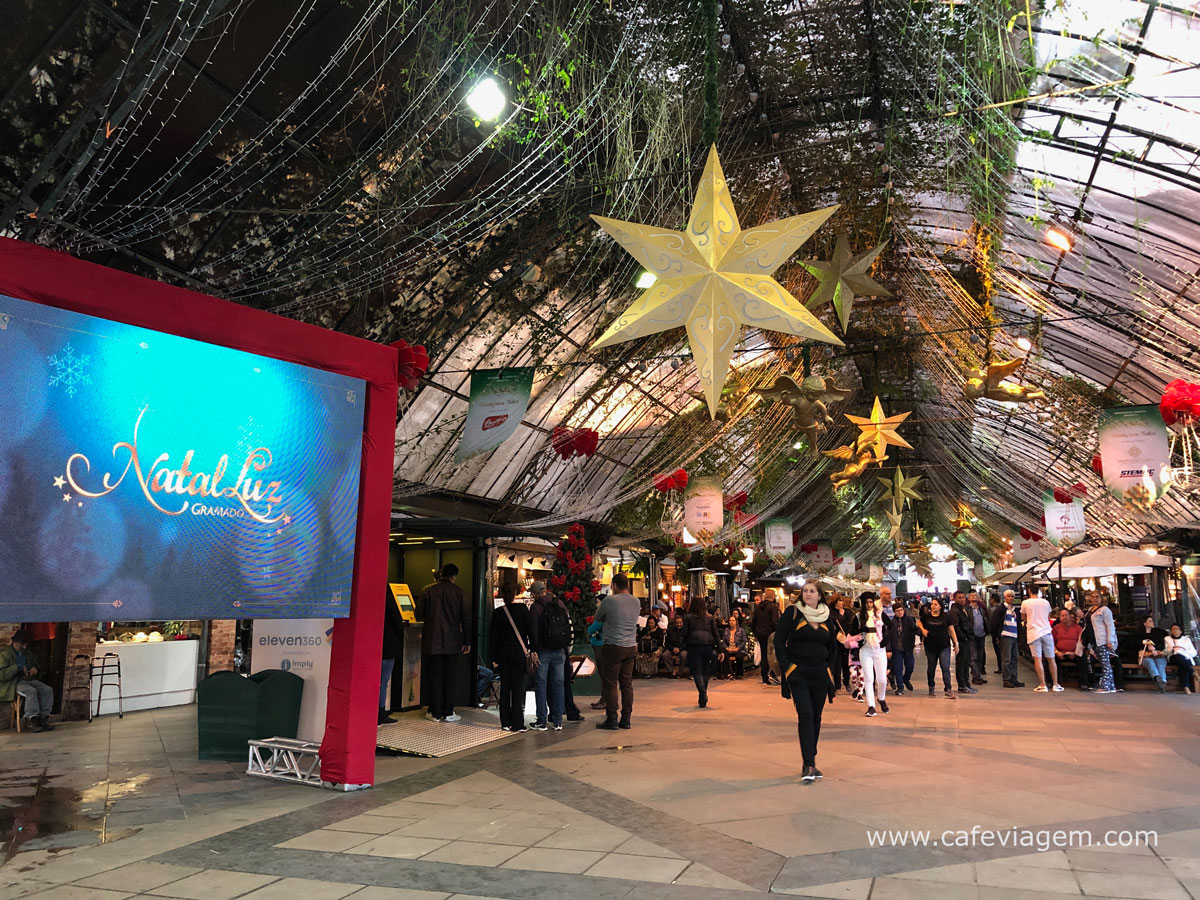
(558, 581)
(681, 479)
(1180, 401)
(595, 587)
(1061, 495)
(1079, 489)
(1097, 465)
(561, 441)
(737, 501)
(412, 364)
(1028, 535)
(586, 441)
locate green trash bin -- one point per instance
(232, 709)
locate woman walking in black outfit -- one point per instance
(703, 642)
(510, 645)
(806, 646)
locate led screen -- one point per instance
(147, 476)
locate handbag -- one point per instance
(531, 660)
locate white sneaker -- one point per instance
(1058, 688)
(1041, 689)
(453, 717)
(431, 717)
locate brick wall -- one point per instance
(221, 635)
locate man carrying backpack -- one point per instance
(550, 624)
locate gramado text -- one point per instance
(260, 503)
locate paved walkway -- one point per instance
(690, 804)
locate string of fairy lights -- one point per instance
(391, 217)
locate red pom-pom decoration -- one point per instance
(412, 364)
(1180, 402)
(1097, 465)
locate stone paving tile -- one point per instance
(139, 876)
(213, 884)
(398, 846)
(76, 892)
(303, 889)
(638, 868)
(858, 889)
(544, 859)
(468, 853)
(331, 841)
(1131, 887)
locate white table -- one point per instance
(152, 675)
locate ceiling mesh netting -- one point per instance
(316, 159)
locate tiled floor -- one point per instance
(689, 804)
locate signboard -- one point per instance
(822, 558)
(1065, 523)
(1024, 549)
(404, 602)
(146, 476)
(299, 646)
(499, 399)
(846, 567)
(1135, 454)
(703, 507)
(777, 535)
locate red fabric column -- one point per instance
(29, 272)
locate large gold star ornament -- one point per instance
(900, 490)
(843, 278)
(714, 278)
(878, 431)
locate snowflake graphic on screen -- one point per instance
(68, 370)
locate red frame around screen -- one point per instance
(33, 273)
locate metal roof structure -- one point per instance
(320, 162)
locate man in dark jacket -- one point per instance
(902, 642)
(964, 629)
(763, 621)
(443, 609)
(549, 678)
(393, 649)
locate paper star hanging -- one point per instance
(714, 278)
(879, 431)
(900, 490)
(843, 278)
(893, 517)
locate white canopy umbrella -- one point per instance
(1113, 560)
(1009, 576)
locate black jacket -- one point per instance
(675, 639)
(701, 629)
(444, 609)
(765, 618)
(804, 650)
(962, 621)
(995, 622)
(504, 645)
(901, 635)
(393, 630)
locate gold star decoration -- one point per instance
(900, 490)
(715, 278)
(843, 278)
(893, 517)
(59, 482)
(66, 498)
(878, 431)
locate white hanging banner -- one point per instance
(1024, 549)
(777, 535)
(1135, 454)
(703, 507)
(846, 567)
(822, 558)
(1065, 522)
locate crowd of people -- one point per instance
(820, 646)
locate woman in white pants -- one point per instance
(873, 652)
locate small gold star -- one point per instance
(59, 482)
(67, 498)
(287, 520)
(878, 431)
(900, 490)
(893, 517)
(843, 278)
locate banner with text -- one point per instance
(499, 399)
(704, 507)
(299, 646)
(1024, 549)
(145, 476)
(1065, 522)
(777, 535)
(1135, 454)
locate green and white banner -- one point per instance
(777, 535)
(1135, 454)
(704, 508)
(1065, 522)
(499, 399)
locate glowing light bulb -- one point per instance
(645, 280)
(487, 100)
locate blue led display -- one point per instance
(148, 476)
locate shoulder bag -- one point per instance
(531, 660)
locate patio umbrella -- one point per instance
(1115, 560)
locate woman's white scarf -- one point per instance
(816, 616)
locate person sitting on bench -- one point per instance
(1182, 655)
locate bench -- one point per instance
(285, 759)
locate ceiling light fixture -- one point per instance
(645, 280)
(1060, 235)
(1025, 344)
(487, 100)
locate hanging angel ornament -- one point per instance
(857, 457)
(964, 520)
(987, 383)
(808, 401)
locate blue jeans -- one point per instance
(39, 698)
(385, 675)
(549, 674)
(1008, 659)
(903, 663)
(1156, 666)
(934, 658)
